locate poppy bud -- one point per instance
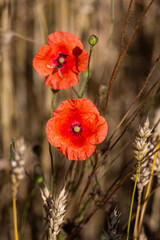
(93, 40)
(102, 89)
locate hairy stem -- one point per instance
(75, 91)
(86, 81)
(50, 147)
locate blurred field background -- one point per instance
(25, 100)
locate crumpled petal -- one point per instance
(66, 80)
(78, 154)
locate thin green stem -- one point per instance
(132, 201)
(52, 167)
(52, 101)
(50, 148)
(75, 91)
(96, 178)
(97, 181)
(82, 91)
(25, 213)
(91, 161)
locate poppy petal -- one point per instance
(79, 154)
(67, 39)
(61, 60)
(73, 147)
(60, 80)
(91, 134)
(42, 61)
(53, 133)
(61, 128)
(81, 62)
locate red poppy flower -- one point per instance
(75, 128)
(61, 60)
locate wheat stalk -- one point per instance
(141, 178)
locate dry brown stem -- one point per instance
(123, 53)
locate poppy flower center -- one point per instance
(61, 59)
(76, 129)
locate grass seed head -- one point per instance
(17, 159)
(55, 209)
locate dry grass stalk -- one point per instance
(157, 169)
(123, 51)
(148, 189)
(141, 148)
(153, 144)
(55, 210)
(6, 83)
(17, 158)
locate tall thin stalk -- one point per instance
(111, 25)
(135, 232)
(50, 147)
(86, 80)
(15, 216)
(140, 150)
(148, 187)
(132, 201)
(123, 52)
(17, 159)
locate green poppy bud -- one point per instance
(93, 40)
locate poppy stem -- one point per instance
(75, 91)
(86, 80)
(52, 100)
(52, 167)
(50, 147)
